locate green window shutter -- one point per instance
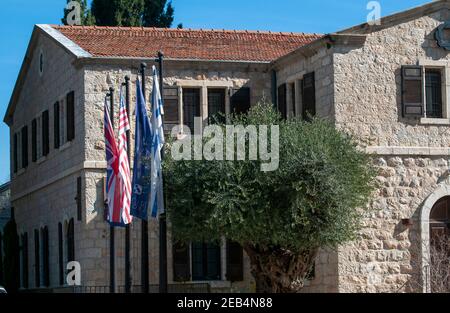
(37, 260)
(60, 254)
(45, 133)
(412, 91)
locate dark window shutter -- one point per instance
(216, 105)
(15, 156)
(171, 110)
(181, 262)
(282, 103)
(293, 99)
(46, 257)
(70, 116)
(412, 91)
(235, 262)
(240, 100)
(78, 199)
(191, 106)
(56, 125)
(309, 96)
(25, 147)
(71, 241)
(34, 140)
(37, 260)
(25, 260)
(45, 134)
(60, 254)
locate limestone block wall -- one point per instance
(411, 154)
(387, 257)
(98, 79)
(294, 67)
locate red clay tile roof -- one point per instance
(186, 43)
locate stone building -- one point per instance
(384, 84)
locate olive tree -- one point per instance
(282, 218)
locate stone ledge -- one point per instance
(408, 151)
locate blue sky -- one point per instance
(17, 18)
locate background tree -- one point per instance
(158, 13)
(282, 218)
(118, 12)
(86, 15)
(11, 258)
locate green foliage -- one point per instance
(149, 13)
(86, 15)
(158, 13)
(313, 200)
(11, 258)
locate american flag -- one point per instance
(117, 182)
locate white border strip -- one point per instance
(63, 40)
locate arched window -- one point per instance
(440, 220)
(440, 246)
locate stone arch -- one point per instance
(442, 191)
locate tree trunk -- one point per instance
(278, 270)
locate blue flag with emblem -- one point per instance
(156, 205)
(142, 170)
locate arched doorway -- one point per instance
(439, 223)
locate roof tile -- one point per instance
(139, 42)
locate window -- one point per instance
(24, 149)
(15, 153)
(206, 262)
(282, 101)
(181, 264)
(24, 260)
(56, 126)
(191, 106)
(308, 96)
(41, 63)
(37, 260)
(422, 92)
(45, 258)
(293, 98)
(216, 105)
(70, 240)
(235, 260)
(171, 109)
(433, 93)
(34, 140)
(60, 254)
(45, 133)
(240, 100)
(70, 114)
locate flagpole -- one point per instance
(144, 230)
(127, 227)
(162, 217)
(112, 248)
